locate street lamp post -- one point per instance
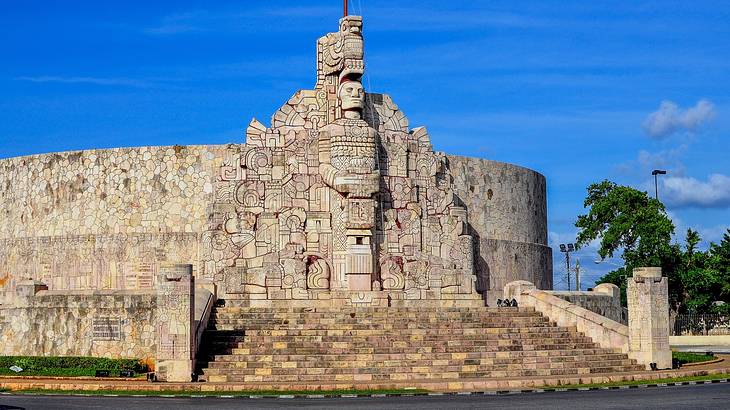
(567, 249)
(657, 172)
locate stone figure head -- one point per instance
(352, 98)
(351, 25)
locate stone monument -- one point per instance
(338, 199)
(648, 301)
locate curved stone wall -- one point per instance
(507, 208)
(106, 219)
(102, 219)
(108, 191)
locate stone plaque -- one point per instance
(107, 328)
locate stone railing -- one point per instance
(605, 332)
(205, 298)
(645, 339)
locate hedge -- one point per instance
(69, 364)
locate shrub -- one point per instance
(70, 364)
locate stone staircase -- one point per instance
(253, 345)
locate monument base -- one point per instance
(371, 298)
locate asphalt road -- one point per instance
(709, 396)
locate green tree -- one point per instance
(691, 256)
(628, 220)
(719, 260)
(625, 219)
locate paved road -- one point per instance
(710, 396)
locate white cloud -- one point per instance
(645, 162)
(85, 80)
(669, 118)
(684, 192)
(713, 233)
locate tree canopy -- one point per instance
(627, 220)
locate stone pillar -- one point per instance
(175, 323)
(359, 259)
(648, 300)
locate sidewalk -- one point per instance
(12, 383)
(701, 344)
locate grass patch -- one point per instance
(263, 393)
(67, 366)
(708, 377)
(688, 357)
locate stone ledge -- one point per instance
(440, 386)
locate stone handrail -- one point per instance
(605, 332)
(206, 299)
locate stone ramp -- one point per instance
(394, 345)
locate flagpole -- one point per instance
(345, 13)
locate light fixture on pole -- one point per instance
(567, 249)
(657, 172)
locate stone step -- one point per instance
(535, 356)
(235, 324)
(321, 375)
(282, 342)
(415, 341)
(446, 331)
(373, 310)
(380, 339)
(379, 316)
(439, 337)
(406, 368)
(357, 320)
(457, 347)
(393, 344)
(303, 318)
(482, 312)
(512, 363)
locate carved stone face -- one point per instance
(352, 96)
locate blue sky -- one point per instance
(580, 91)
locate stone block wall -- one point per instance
(154, 325)
(507, 206)
(604, 299)
(100, 324)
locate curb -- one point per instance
(382, 395)
(103, 379)
(713, 361)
